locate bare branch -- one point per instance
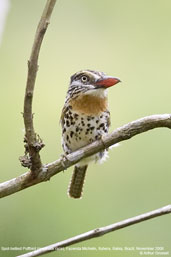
(33, 143)
(123, 133)
(100, 231)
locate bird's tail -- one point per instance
(77, 181)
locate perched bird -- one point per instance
(85, 118)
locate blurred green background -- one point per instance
(128, 39)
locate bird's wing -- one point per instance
(62, 115)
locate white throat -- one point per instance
(101, 92)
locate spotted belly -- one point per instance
(80, 130)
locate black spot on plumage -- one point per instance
(87, 131)
(72, 123)
(77, 129)
(67, 123)
(71, 133)
(97, 121)
(64, 130)
(92, 128)
(88, 124)
(67, 137)
(76, 116)
(102, 125)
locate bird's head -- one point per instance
(90, 82)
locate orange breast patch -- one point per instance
(90, 105)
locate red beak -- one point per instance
(107, 82)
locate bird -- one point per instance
(85, 118)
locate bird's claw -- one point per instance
(100, 137)
(63, 159)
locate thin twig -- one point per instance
(34, 145)
(123, 133)
(99, 231)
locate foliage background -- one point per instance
(128, 39)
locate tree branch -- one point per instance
(33, 142)
(99, 231)
(123, 133)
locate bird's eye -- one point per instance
(84, 79)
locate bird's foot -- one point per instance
(100, 137)
(63, 159)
